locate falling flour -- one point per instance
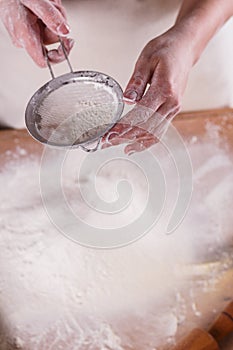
(77, 112)
(55, 294)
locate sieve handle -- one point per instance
(65, 54)
(94, 149)
(47, 61)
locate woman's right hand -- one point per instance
(33, 24)
(156, 86)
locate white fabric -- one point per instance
(109, 36)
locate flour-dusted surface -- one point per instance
(55, 294)
(77, 112)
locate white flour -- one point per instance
(53, 291)
(77, 111)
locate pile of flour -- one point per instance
(77, 111)
(55, 294)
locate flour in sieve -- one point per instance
(77, 112)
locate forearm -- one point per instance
(199, 20)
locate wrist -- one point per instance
(189, 34)
(182, 38)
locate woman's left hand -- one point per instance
(164, 65)
(34, 24)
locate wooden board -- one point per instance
(189, 125)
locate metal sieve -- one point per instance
(75, 109)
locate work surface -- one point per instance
(55, 294)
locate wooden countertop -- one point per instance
(189, 124)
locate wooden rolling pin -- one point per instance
(200, 339)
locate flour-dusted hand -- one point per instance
(163, 67)
(161, 73)
(140, 129)
(34, 23)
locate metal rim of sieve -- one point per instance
(32, 117)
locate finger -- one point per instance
(119, 128)
(57, 2)
(144, 127)
(115, 141)
(139, 123)
(126, 127)
(152, 98)
(140, 145)
(16, 43)
(48, 37)
(35, 51)
(135, 133)
(115, 138)
(134, 117)
(122, 133)
(169, 107)
(59, 6)
(154, 127)
(138, 82)
(30, 39)
(115, 131)
(12, 32)
(57, 56)
(168, 111)
(25, 33)
(10, 21)
(161, 129)
(49, 14)
(172, 115)
(131, 136)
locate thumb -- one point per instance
(138, 81)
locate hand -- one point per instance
(164, 64)
(32, 24)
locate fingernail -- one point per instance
(130, 153)
(71, 43)
(105, 145)
(111, 135)
(131, 95)
(127, 100)
(63, 29)
(51, 55)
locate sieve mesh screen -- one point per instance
(77, 112)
